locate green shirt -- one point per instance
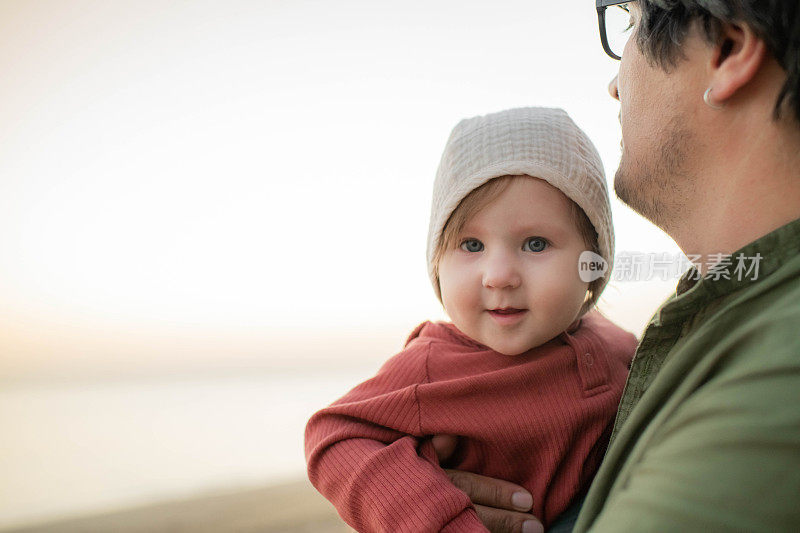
(707, 435)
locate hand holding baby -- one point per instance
(497, 502)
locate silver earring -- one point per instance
(708, 102)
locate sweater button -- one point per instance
(587, 359)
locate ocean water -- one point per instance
(72, 448)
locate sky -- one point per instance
(250, 182)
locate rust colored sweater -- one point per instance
(539, 419)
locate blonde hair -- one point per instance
(486, 194)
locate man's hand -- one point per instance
(500, 504)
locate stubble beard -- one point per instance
(659, 188)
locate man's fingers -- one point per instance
(491, 492)
(502, 521)
(498, 502)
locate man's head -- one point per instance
(743, 54)
(664, 26)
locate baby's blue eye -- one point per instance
(472, 245)
(535, 244)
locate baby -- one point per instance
(527, 375)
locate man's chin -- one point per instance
(622, 186)
(629, 192)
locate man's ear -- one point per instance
(736, 59)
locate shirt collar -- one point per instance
(755, 261)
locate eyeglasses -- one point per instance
(616, 25)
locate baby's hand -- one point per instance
(497, 502)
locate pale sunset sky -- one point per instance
(196, 184)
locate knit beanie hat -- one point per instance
(534, 141)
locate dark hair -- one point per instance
(664, 25)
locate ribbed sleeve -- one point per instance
(540, 419)
(365, 455)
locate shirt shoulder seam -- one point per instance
(417, 399)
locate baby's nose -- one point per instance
(501, 274)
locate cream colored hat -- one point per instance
(535, 141)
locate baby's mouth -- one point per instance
(505, 311)
(507, 316)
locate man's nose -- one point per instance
(500, 272)
(613, 89)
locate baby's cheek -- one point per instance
(456, 297)
(563, 290)
(464, 303)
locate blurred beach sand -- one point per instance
(290, 508)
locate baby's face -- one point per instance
(512, 284)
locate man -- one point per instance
(707, 435)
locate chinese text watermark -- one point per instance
(646, 266)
